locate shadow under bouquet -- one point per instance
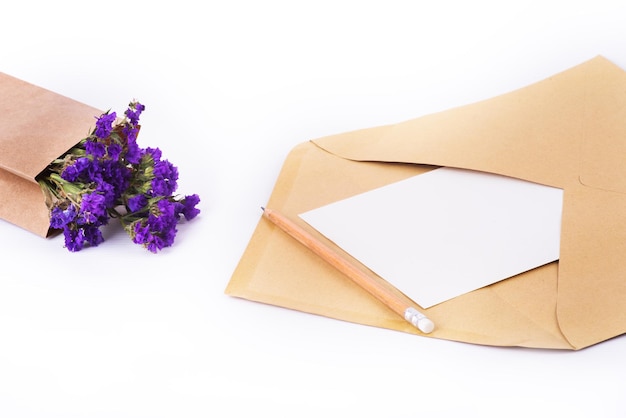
(107, 175)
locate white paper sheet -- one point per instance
(447, 232)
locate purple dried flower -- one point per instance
(108, 193)
(92, 208)
(77, 238)
(134, 112)
(115, 174)
(104, 124)
(93, 235)
(159, 229)
(165, 177)
(61, 217)
(142, 233)
(74, 238)
(72, 172)
(133, 152)
(137, 202)
(189, 203)
(95, 148)
(114, 151)
(155, 153)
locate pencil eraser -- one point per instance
(425, 325)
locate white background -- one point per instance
(230, 87)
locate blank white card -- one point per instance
(447, 232)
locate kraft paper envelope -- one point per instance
(36, 126)
(568, 131)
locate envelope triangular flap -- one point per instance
(533, 133)
(36, 126)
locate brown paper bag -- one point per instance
(36, 126)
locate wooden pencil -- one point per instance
(391, 300)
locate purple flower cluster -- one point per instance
(107, 175)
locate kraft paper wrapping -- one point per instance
(36, 126)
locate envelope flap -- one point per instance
(37, 126)
(534, 133)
